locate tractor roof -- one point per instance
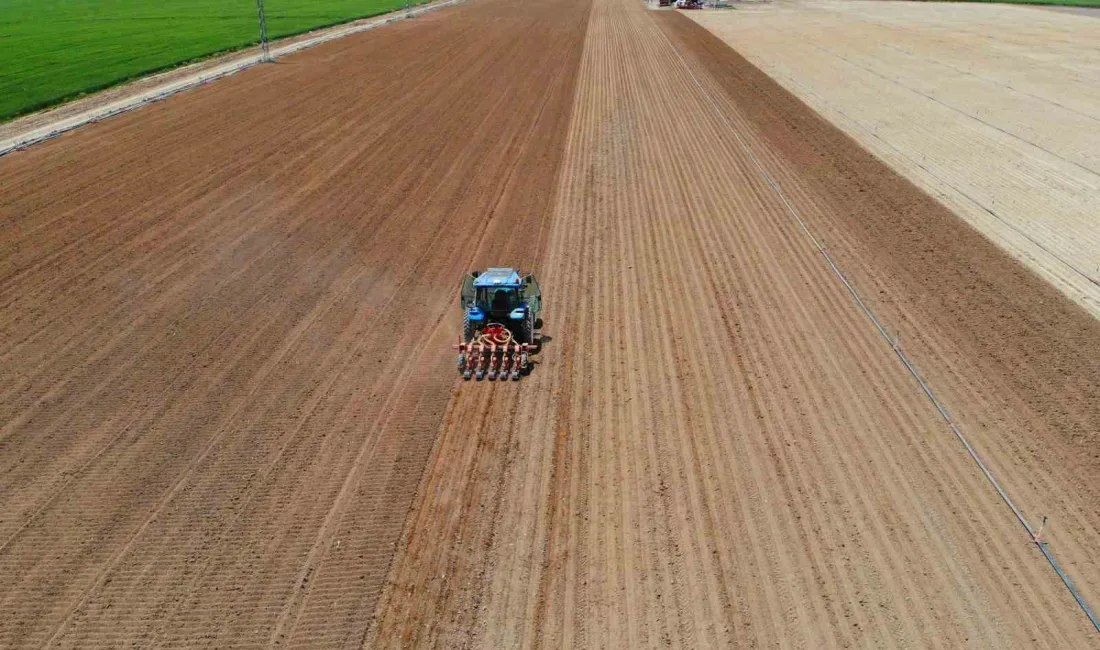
(498, 278)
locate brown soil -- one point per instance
(226, 325)
(953, 293)
(963, 287)
(718, 450)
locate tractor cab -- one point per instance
(504, 297)
(497, 296)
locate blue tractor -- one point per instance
(500, 315)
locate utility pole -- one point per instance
(263, 30)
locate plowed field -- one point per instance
(227, 321)
(229, 415)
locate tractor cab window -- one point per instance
(502, 300)
(498, 299)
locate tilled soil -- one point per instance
(229, 415)
(227, 321)
(719, 449)
(1019, 362)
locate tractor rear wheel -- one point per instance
(529, 328)
(467, 329)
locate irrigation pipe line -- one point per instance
(1032, 533)
(91, 116)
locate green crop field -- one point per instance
(53, 50)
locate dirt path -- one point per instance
(718, 449)
(226, 324)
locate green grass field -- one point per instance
(53, 50)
